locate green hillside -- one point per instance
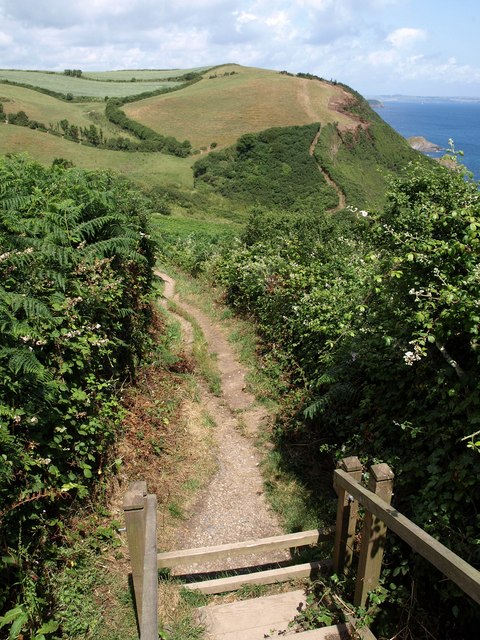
(355, 149)
(232, 100)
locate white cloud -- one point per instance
(360, 42)
(382, 57)
(242, 17)
(405, 37)
(278, 19)
(5, 39)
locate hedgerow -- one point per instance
(75, 278)
(151, 140)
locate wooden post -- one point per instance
(347, 512)
(134, 511)
(373, 536)
(149, 617)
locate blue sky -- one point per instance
(412, 47)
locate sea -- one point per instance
(438, 121)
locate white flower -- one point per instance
(412, 356)
(364, 214)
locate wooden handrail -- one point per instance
(445, 560)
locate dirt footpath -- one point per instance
(232, 507)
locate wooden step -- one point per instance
(262, 618)
(272, 576)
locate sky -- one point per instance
(378, 47)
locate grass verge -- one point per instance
(204, 358)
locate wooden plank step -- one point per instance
(261, 618)
(202, 554)
(307, 570)
(335, 632)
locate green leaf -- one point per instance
(17, 626)
(48, 627)
(10, 616)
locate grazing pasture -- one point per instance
(61, 83)
(125, 75)
(233, 100)
(42, 107)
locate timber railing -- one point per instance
(140, 518)
(379, 516)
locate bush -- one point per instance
(75, 276)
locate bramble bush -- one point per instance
(76, 264)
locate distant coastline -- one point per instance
(437, 120)
(421, 99)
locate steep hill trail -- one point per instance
(232, 507)
(342, 202)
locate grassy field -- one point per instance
(222, 108)
(61, 83)
(148, 169)
(44, 108)
(140, 74)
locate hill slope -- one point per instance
(232, 100)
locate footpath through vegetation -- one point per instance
(232, 507)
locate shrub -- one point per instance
(75, 275)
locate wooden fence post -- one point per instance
(134, 511)
(347, 512)
(373, 536)
(149, 617)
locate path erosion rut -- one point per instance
(232, 507)
(342, 202)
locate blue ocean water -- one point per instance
(437, 122)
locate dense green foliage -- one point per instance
(275, 168)
(75, 275)
(377, 318)
(271, 168)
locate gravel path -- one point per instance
(232, 508)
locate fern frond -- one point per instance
(32, 307)
(24, 362)
(90, 228)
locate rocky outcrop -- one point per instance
(422, 144)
